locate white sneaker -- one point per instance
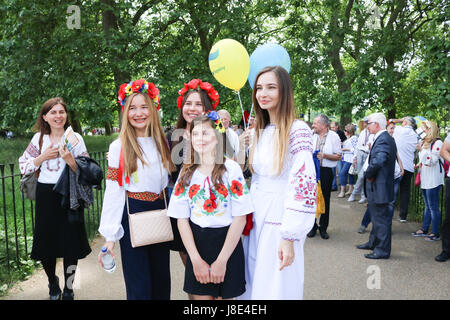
(351, 198)
(363, 200)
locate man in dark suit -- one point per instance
(379, 187)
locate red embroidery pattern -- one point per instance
(112, 174)
(145, 196)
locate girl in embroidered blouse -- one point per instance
(138, 166)
(211, 201)
(54, 236)
(283, 191)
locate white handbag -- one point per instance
(149, 227)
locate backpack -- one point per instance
(442, 164)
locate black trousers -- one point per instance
(326, 181)
(146, 269)
(445, 231)
(405, 192)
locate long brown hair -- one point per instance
(130, 146)
(219, 168)
(41, 125)
(284, 120)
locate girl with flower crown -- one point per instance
(195, 98)
(138, 166)
(283, 191)
(211, 201)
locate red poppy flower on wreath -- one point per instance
(179, 189)
(209, 206)
(199, 84)
(193, 190)
(236, 188)
(222, 190)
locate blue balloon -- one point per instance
(269, 54)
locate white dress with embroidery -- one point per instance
(50, 169)
(285, 208)
(214, 210)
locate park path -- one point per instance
(334, 268)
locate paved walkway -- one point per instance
(334, 268)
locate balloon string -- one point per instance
(242, 109)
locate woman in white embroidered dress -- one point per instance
(138, 165)
(54, 235)
(283, 191)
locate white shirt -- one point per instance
(406, 141)
(349, 144)
(232, 198)
(234, 140)
(364, 139)
(432, 172)
(332, 146)
(50, 169)
(146, 179)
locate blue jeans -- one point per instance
(366, 219)
(432, 214)
(396, 187)
(344, 176)
(337, 169)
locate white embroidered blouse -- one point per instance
(50, 169)
(207, 206)
(147, 178)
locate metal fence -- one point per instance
(17, 222)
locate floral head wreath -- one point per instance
(195, 84)
(214, 116)
(142, 86)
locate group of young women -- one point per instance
(210, 202)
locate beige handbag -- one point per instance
(149, 227)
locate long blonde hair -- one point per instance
(283, 122)
(432, 135)
(130, 146)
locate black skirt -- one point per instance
(54, 236)
(209, 243)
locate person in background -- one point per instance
(55, 235)
(328, 145)
(406, 140)
(334, 126)
(348, 149)
(232, 136)
(379, 177)
(431, 181)
(365, 140)
(445, 234)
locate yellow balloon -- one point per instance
(229, 63)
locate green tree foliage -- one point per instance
(348, 56)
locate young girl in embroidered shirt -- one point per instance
(211, 201)
(138, 166)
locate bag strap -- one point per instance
(164, 189)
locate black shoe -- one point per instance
(312, 233)
(54, 289)
(373, 255)
(442, 257)
(364, 246)
(68, 294)
(324, 234)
